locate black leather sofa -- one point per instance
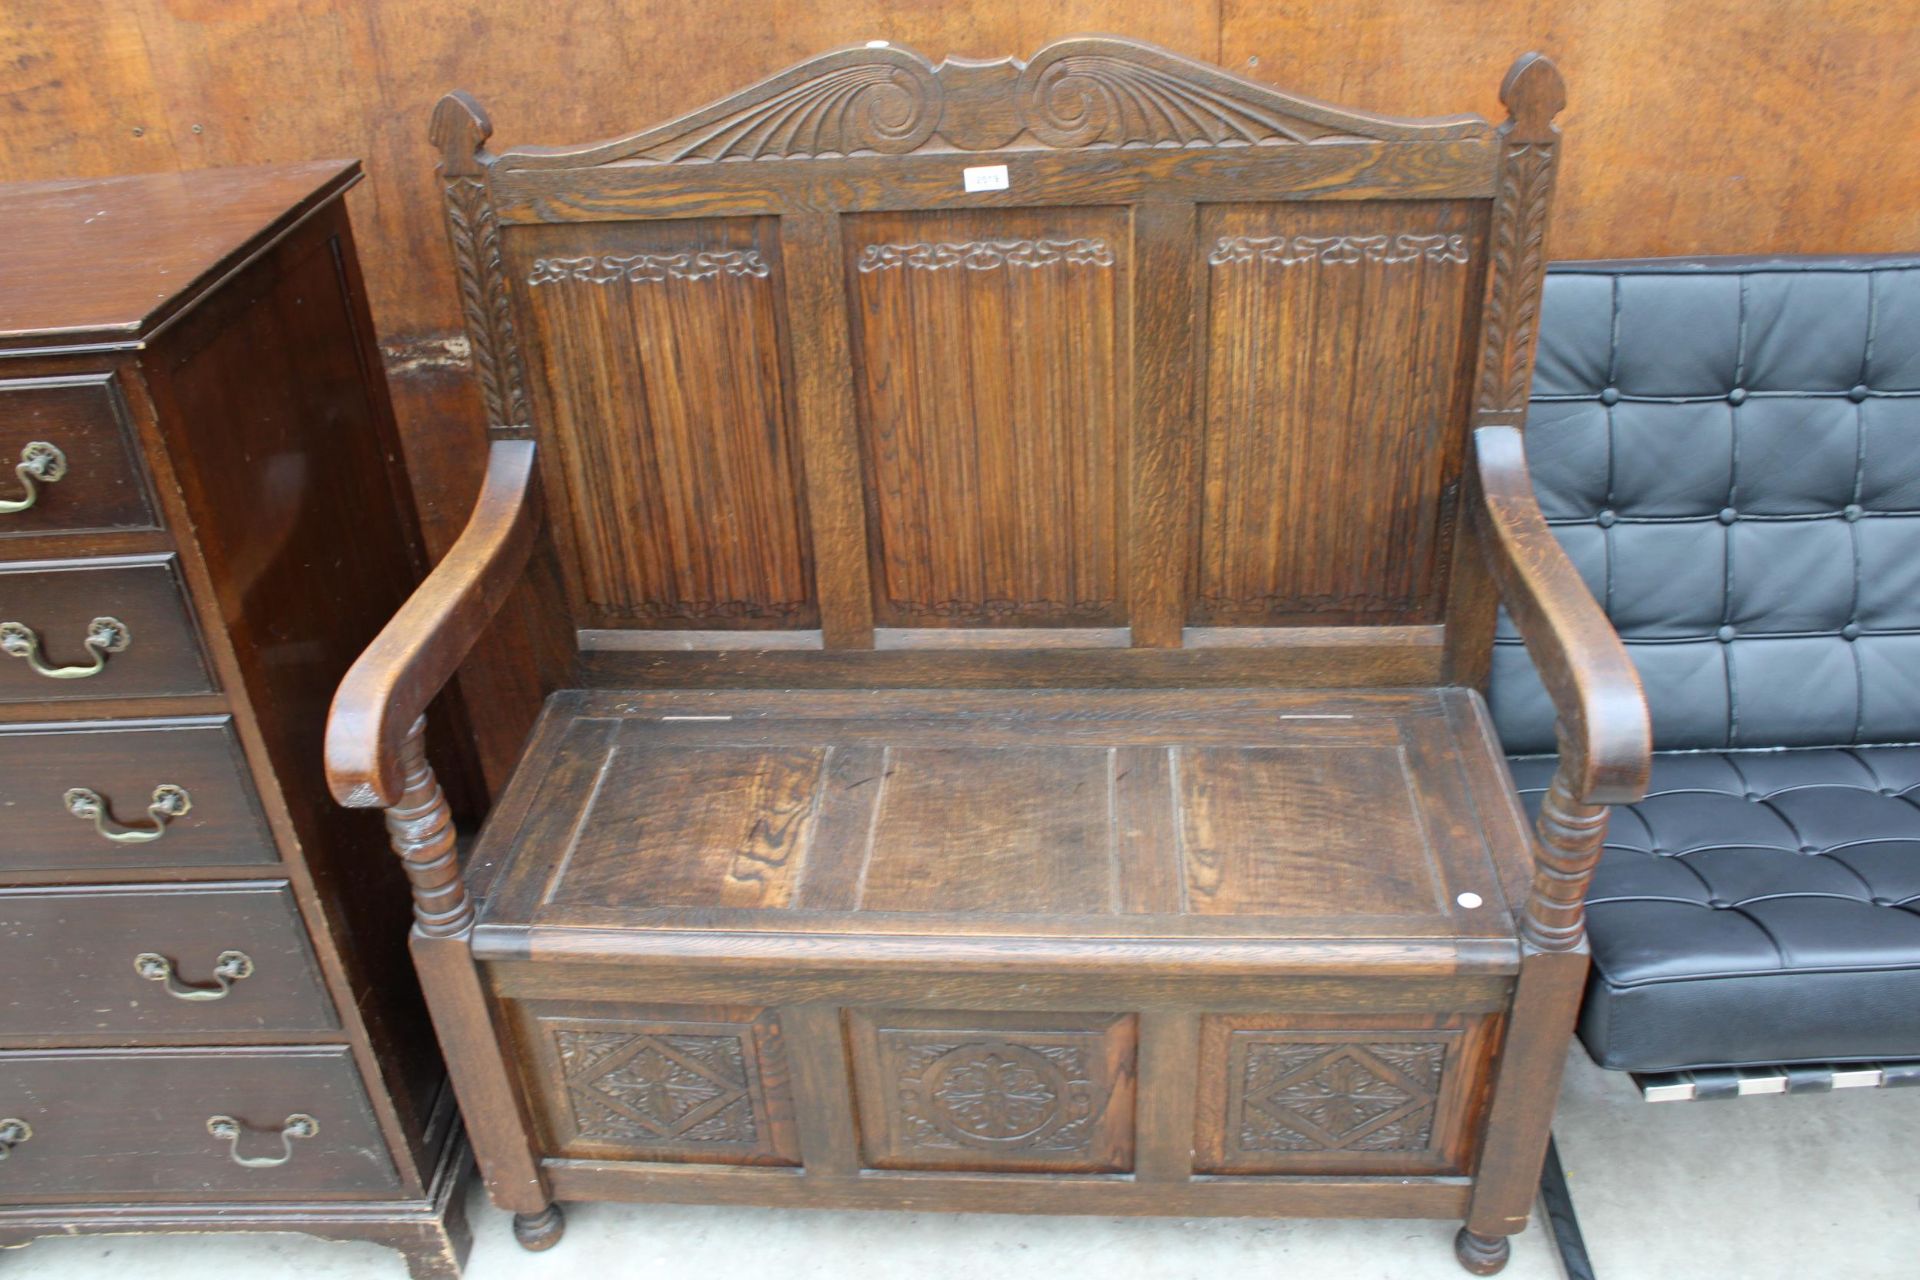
(1729, 450)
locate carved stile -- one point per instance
(420, 828)
(1529, 148)
(460, 130)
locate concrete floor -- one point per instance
(1771, 1188)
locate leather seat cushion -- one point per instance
(1757, 907)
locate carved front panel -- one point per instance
(990, 387)
(995, 1091)
(705, 1085)
(1338, 340)
(1328, 1094)
(659, 353)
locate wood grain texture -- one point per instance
(104, 89)
(1605, 735)
(152, 245)
(58, 600)
(387, 689)
(274, 442)
(1323, 1093)
(1330, 1196)
(152, 1144)
(738, 821)
(1095, 814)
(660, 352)
(1043, 844)
(86, 418)
(824, 413)
(996, 1092)
(1309, 830)
(691, 1084)
(1533, 94)
(237, 495)
(73, 956)
(1198, 367)
(1163, 501)
(1815, 188)
(124, 762)
(1334, 409)
(990, 355)
(989, 342)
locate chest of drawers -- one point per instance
(207, 1018)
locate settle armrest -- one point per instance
(1605, 737)
(413, 657)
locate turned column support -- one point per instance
(420, 829)
(1568, 839)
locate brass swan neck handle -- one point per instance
(229, 1131)
(40, 463)
(104, 636)
(169, 802)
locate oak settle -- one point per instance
(1031, 532)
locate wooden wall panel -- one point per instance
(1692, 126)
(1695, 126)
(990, 376)
(657, 352)
(1318, 317)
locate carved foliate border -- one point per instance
(1517, 256)
(474, 233)
(1519, 262)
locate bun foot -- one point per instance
(1481, 1255)
(540, 1231)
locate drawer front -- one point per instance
(127, 766)
(77, 433)
(133, 1125)
(53, 607)
(150, 959)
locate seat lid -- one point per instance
(990, 821)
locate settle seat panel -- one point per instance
(1091, 814)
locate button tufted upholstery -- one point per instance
(1729, 450)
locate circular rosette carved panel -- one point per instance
(1000, 1095)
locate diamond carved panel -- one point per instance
(645, 1088)
(995, 1092)
(709, 1086)
(1334, 1097)
(1330, 1099)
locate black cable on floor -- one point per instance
(1556, 1201)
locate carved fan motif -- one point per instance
(1076, 93)
(1086, 100)
(858, 108)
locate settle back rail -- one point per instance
(1102, 369)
